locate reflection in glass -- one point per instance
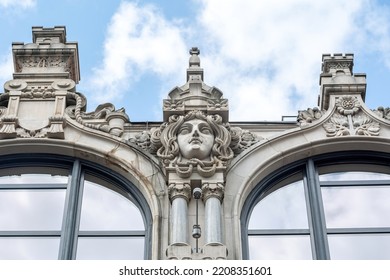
(359, 247)
(114, 248)
(33, 179)
(279, 248)
(284, 208)
(104, 209)
(356, 206)
(31, 209)
(340, 176)
(29, 248)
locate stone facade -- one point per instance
(195, 150)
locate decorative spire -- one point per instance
(195, 95)
(194, 72)
(194, 59)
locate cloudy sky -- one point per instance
(265, 55)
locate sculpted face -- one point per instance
(195, 139)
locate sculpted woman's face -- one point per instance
(195, 139)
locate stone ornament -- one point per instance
(193, 142)
(241, 139)
(173, 105)
(150, 140)
(347, 105)
(306, 117)
(176, 190)
(383, 112)
(14, 85)
(213, 190)
(65, 84)
(105, 117)
(349, 119)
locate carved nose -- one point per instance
(195, 134)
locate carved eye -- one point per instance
(206, 129)
(184, 130)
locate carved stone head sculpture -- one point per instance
(193, 141)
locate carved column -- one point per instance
(179, 194)
(212, 197)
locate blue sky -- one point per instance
(264, 55)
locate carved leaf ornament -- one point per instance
(349, 119)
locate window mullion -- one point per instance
(316, 213)
(71, 221)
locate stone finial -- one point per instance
(194, 59)
(194, 72)
(195, 94)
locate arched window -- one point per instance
(329, 207)
(62, 208)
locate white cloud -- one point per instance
(268, 53)
(264, 55)
(18, 3)
(375, 26)
(139, 40)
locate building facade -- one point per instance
(94, 185)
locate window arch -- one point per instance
(332, 206)
(67, 208)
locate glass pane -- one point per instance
(104, 209)
(112, 248)
(359, 247)
(351, 176)
(31, 209)
(356, 206)
(285, 208)
(29, 248)
(33, 179)
(279, 248)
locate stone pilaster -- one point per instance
(179, 195)
(212, 196)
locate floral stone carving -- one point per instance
(310, 115)
(350, 120)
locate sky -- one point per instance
(264, 55)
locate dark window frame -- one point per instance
(77, 169)
(317, 225)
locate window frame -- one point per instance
(309, 168)
(77, 169)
